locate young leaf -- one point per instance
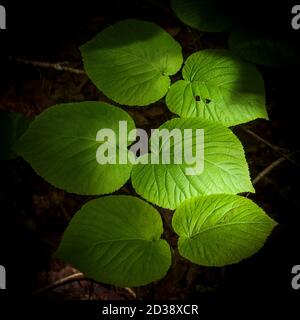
(225, 167)
(116, 240)
(61, 147)
(218, 86)
(264, 49)
(131, 62)
(220, 229)
(205, 15)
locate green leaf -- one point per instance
(12, 126)
(264, 48)
(131, 62)
(218, 86)
(220, 229)
(205, 15)
(61, 147)
(225, 167)
(116, 240)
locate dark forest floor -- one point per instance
(40, 212)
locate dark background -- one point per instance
(34, 214)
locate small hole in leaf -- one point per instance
(207, 101)
(138, 153)
(197, 98)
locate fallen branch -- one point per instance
(270, 145)
(72, 278)
(159, 5)
(268, 169)
(56, 66)
(61, 282)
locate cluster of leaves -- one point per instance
(117, 239)
(262, 44)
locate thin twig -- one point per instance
(131, 292)
(61, 282)
(72, 278)
(270, 145)
(268, 169)
(259, 138)
(157, 4)
(41, 64)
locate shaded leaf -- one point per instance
(264, 48)
(205, 15)
(12, 126)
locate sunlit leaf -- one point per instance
(116, 240)
(218, 86)
(131, 61)
(225, 167)
(220, 229)
(61, 146)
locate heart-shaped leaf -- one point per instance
(218, 230)
(225, 169)
(267, 49)
(205, 15)
(61, 146)
(116, 240)
(218, 86)
(131, 61)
